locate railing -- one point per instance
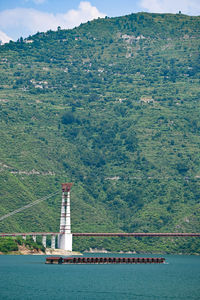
(137, 234)
(134, 234)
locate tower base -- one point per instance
(65, 241)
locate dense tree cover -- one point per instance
(112, 106)
(9, 244)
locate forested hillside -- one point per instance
(112, 106)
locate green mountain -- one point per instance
(112, 106)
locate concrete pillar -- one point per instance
(65, 241)
(53, 242)
(44, 241)
(34, 238)
(68, 217)
(65, 236)
(24, 237)
(62, 215)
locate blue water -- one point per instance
(27, 277)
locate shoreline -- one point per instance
(60, 252)
(75, 253)
(95, 250)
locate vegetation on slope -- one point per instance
(112, 106)
(11, 245)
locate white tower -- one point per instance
(65, 236)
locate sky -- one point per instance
(21, 18)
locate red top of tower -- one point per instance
(66, 186)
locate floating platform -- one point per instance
(104, 260)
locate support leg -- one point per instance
(53, 242)
(44, 241)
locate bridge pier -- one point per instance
(53, 242)
(34, 237)
(65, 236)
(65, 241)
(44, 241)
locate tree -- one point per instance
(68, 118)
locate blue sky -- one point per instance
(26, 17)
(111, 7)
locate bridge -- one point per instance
(65, 235)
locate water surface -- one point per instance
(27, 277)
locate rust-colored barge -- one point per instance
(105, 260)
(54, 260)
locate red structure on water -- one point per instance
(105, 260)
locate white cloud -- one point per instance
(4, 38)
(36, 1)
(190, 7)
(25, 21)
(39, 1)
(84, 13)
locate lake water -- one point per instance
(27, 277)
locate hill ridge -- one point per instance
(112, 98)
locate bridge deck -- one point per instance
(134, 234)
